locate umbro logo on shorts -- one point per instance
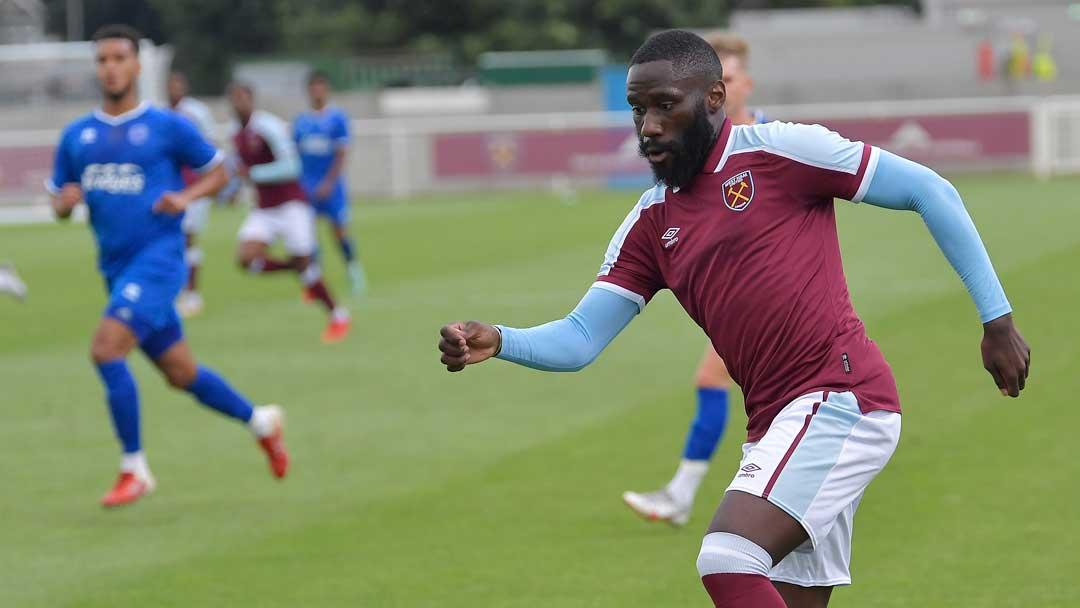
(749, 470)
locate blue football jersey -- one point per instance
(124, 164)
(318, 136)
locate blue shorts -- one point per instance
(143, 298)
(335, 208)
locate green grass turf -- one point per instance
(500, 486)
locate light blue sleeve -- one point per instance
(569, 344)
(286, 164)
(899, 183)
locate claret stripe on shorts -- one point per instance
(794, 444)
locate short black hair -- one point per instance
(318, 76)
(118, 30)
(689, 54)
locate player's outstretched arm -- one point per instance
(899, 183)
(566, 345)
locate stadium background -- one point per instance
(490, 167)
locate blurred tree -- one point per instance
(97, 13)
(210, 34)
(483, 25)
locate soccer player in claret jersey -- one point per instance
(322, 135)
(190, 302)
(268, 158)
(673, 502)
(124, 160)
(741, 228)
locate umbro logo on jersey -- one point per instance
(670, 238)
(88, 136)
(739, 191)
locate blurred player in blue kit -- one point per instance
(124, 160)
(322, 135)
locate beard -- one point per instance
(687, 155)
(115, 96)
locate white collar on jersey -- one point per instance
(120, 119)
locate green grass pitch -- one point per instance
(500, 486)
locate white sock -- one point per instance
(311, 274)
(262, 422)
(135, 462)
(684, 485)
(340, 313)
(193, 256)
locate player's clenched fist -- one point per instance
(65, 201)
(171, 203)
(468, 343)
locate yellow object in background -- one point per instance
(1043, 66)
(1019, 58)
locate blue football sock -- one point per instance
(708, 425)
(347, 251)
(214, 392)
(123, 398)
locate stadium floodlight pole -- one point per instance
(74, 11)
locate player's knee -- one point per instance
(103, 350)
(180, 377)
(708, 377)
(100, 353)
(724, 553)
(300, 262)
(245, 259)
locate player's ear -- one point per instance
(716, 96)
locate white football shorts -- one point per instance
(815, 461)
(196, 216)
(292, 222)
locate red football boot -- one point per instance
(128, 488)
(274, 443)
(336, 330)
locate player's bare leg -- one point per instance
(754, 534)
(674, 502)
(182, 372)
(190, 302)
(109, 349)
(311, 276)
(804, 597)
(254, 257)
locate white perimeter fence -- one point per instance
(398, 158)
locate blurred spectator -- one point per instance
(1018, 66)
(985, 59)
(1042, 63)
